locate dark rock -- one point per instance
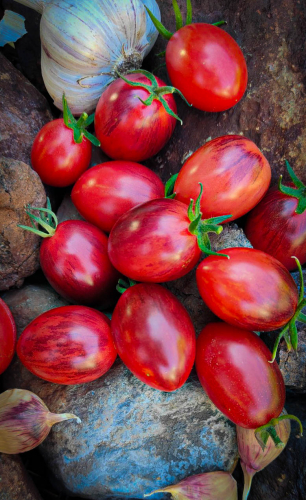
(272, 111)
(23, 111)
(15, 484)
(133, 438)
(67, 210)
(19, 249)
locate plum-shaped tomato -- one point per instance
(7, 336)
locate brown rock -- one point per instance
(15, 484)
(23, 112)
(272, 112)
(19, 249)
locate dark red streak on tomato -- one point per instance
(152, 242)
(250, 290)
(154, 336)
(127, 128)
(68, 345)
(207, 66)
(106, 191)
(234, 173)
(233, 367)
(76, 264)
(7, 336)
(274, 227)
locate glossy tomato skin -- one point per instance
(128, 129)
(154, 336)
(68, 345)
(76, 264)
(250, 290)
(207, 66)
(57, 159)
(152, 242)
(274, 227)
(7, 336)
(234, 173)
(106, 191)
(233, 367)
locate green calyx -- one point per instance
(178, 19)
(47, 220)
(79, 126)
(201, 228)
(263, 433)
(299, 192)
(169, 187)
(155, 92)
(289, 332)
(123, 285)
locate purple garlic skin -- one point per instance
(25, 421)
(208, 486)
(252, 457)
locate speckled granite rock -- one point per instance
(19, 249)
(133, 438)
(15, 484)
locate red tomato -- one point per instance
(152, 242)
(207, 66)
(58, 160)
(274, 227)
(128, 129)
(76, 264)
(234, 173)
(106, 191)
(234, 370)
(250, 290)
(154, 336)
(7, 336)
(68, 345)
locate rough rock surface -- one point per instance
(133, 438)
(67, 210)
(272, 111)
(15, 484)
(293, 364)
(19, 249)
(23, 112)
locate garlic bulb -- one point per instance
(25, 421)
(208, 486)
(84, 43)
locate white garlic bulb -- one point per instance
(84, 43)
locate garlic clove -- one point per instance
(208, 486)
(25, 421)
(252, 457)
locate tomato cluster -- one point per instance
(155, 236)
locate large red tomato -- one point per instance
(234, 173)
(105, 192)
(7, 336)
(154, 336)
(234, 370)
(152, 242)
(250, 290)
(275, 227)
(68, 345)
(207, 66)
(127, 128)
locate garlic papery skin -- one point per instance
(208, 486)
(25, 421)
(252, 457)
(85, 42)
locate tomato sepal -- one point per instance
(155, 92)
(263, 433)
(298, 316)
(200, 227)
(169, 186)
(79, 126)
(47, 220)
(298, 192)
(123, 285)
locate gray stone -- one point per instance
(15, 484)
(67, 210)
